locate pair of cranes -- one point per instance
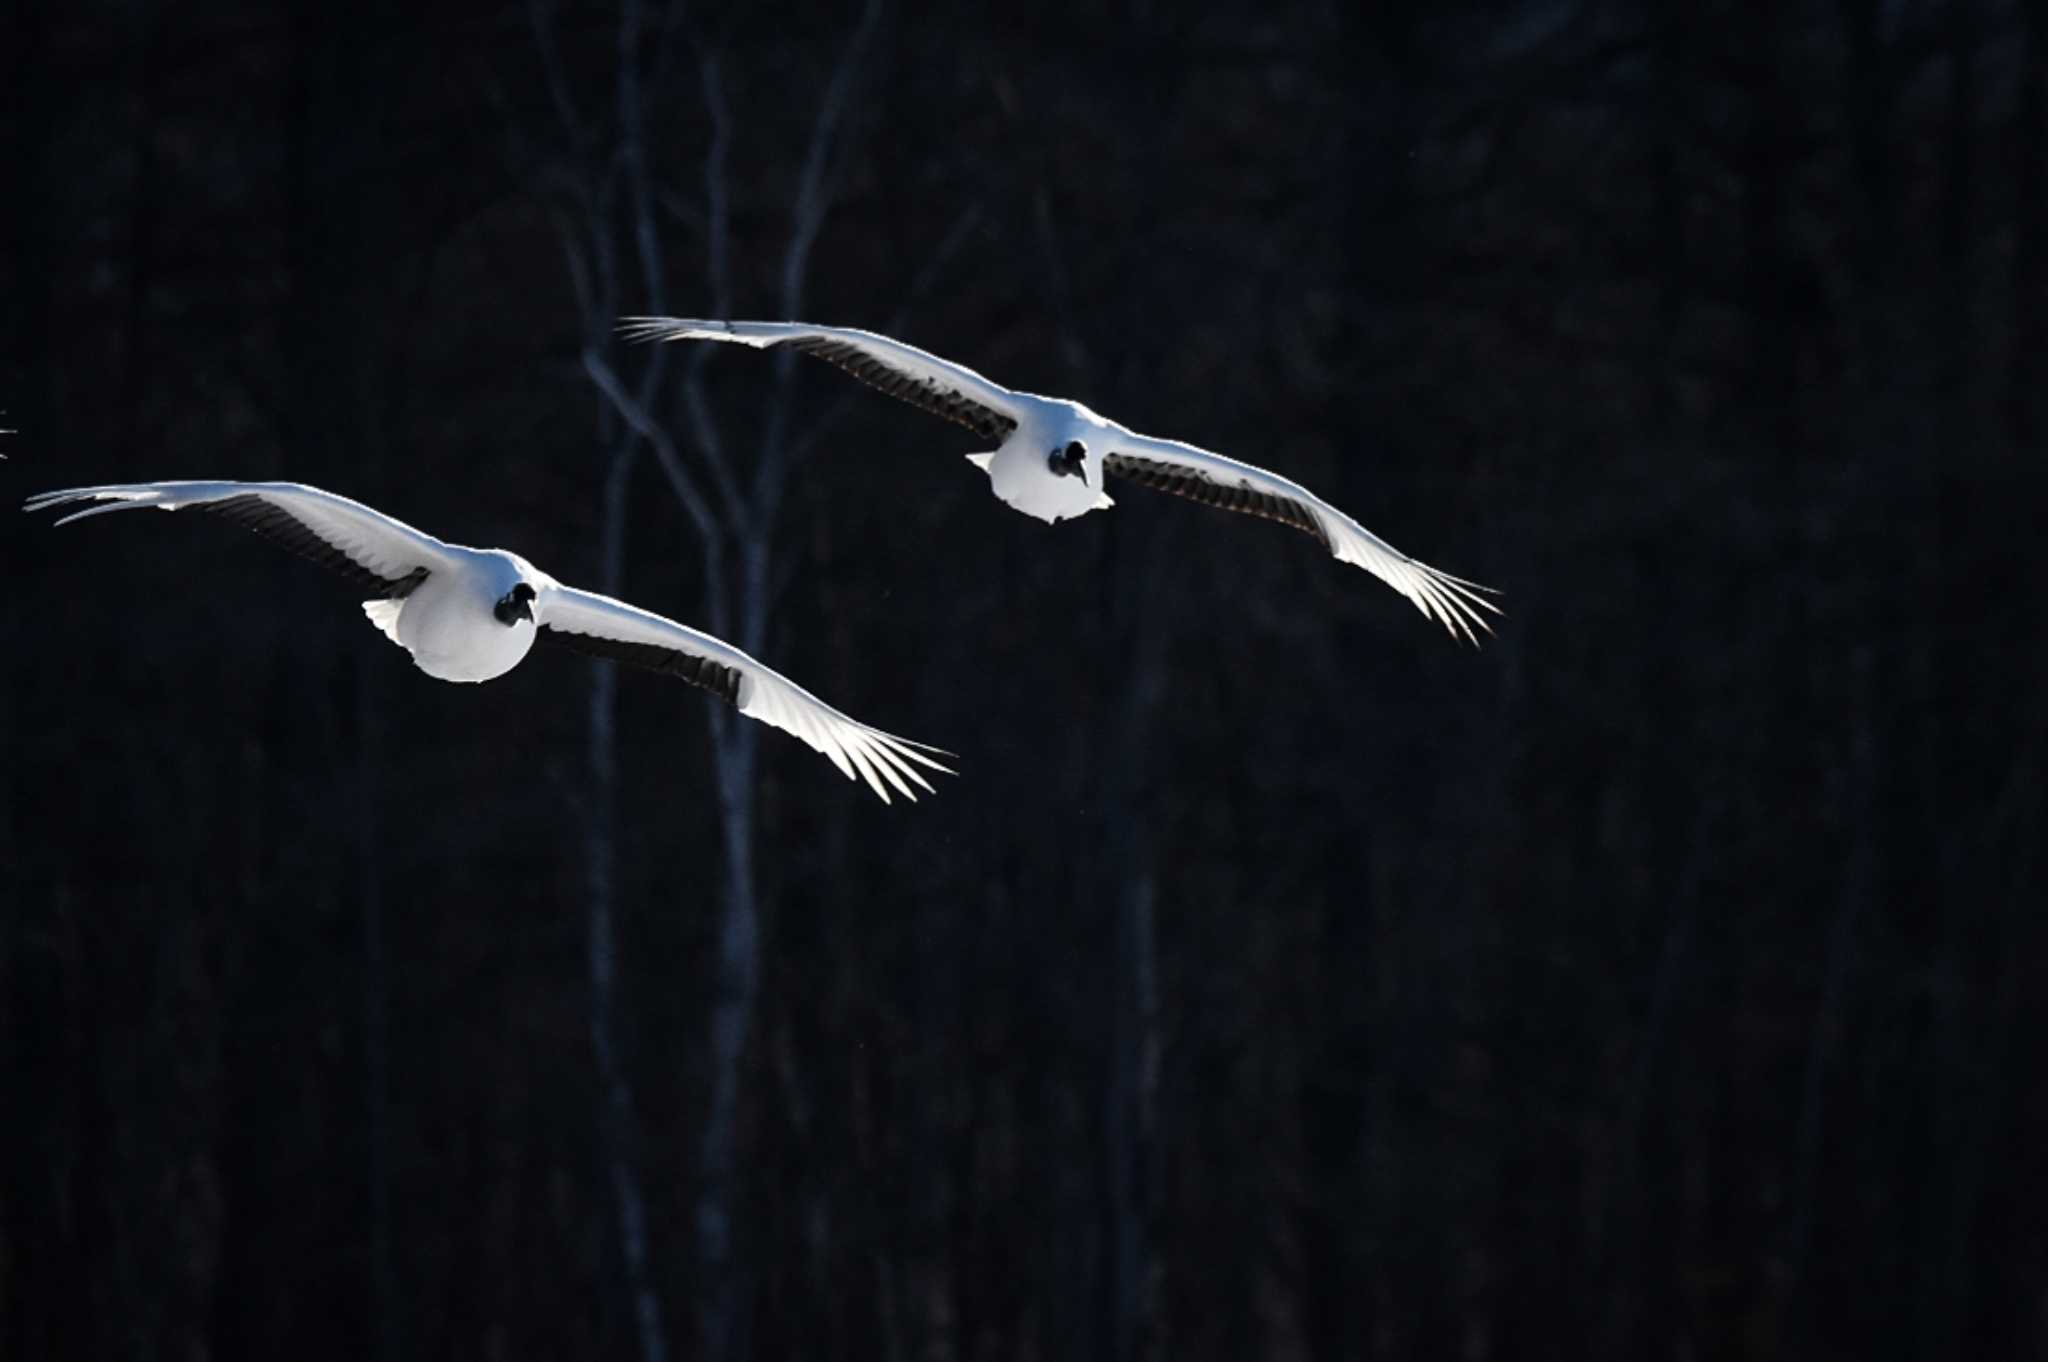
(469, 614)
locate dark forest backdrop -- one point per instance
(1278, 978)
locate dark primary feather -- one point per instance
(698, 671)
(939, 400)
(259, 516)
(1185, 482)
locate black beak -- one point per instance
(1070, 462)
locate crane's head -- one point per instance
(515, 605)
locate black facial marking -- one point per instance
(514, 605)
(1068, 462)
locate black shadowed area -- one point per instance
(1279, 977)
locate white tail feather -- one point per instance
(384, 614)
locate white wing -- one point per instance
(602, 627)
(384, 557)
(939, 386)
(1197, 474)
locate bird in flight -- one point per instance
(472, 614)
(1052, 454)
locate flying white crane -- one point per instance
(1052, 454)
(472, 614)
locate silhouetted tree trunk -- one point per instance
(2025, 370)
(1831, 1014)
(1769, 269)
(146, 63)
(589, 235)
(332, 417)
(1138, 617)
(734, 519)
(724, 1282)
(1377, 210)
(1131, 1102)
(1955, 311)
(1135, 1113)
(371, 860)
(1873, 227)
(37, 1255)
(1955, 461)
(618, 1122)
(1667, 202)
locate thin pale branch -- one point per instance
(949, 246)
(579, 269)
(633, 155)
(537, 15)
(807, 219)
(717, 199)
(1073, 350)
(647, 428)
(704, 430)
(646, 230)
(665, 44)
(921, 286)
(683, 211)
(813, 197)
(717, 270)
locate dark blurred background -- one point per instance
(1278, 978)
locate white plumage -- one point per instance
(473, 614)
(1053, 454)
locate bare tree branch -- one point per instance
(813, 197)
(579, 268)
(678, 474)
(807, 218)
(1073, 349)
(949, 245)
(612, 198)
(717, 271)
(633, 156)
(717, 201)
(539, 17)
(665, 44)
(688, 214)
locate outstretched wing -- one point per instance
(382, 556)
(939, 386)
(599, 626)
(1197, 474)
